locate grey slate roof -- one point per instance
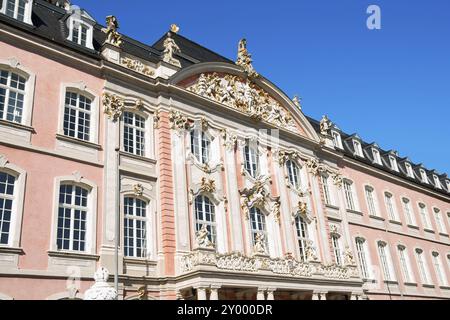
(49, 22)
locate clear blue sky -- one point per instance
(391, 86)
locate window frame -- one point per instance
(353, 194)
(302, 241)
(251, 147)
(424, 216)
(91, 220)
(367, 271)
(336, 246)
(27, 11)
(337, 139)
(405, 264)
(80, 89)
(393, 163)
(375, 206)
(357, 146)
(146, 130)
(147, 221)
(440, 223)
(422, 262)
(377, 156)
(15, 229)
(409, 170)
(439, 269)
(409, 213)
(327, 189)
(297, 185)
(424, 176)
(89, 33)
(385, 259)
(197, 224)
(437, 182)
(391, 206)
(202, 135)
(253, 232)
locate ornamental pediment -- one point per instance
(245, 96)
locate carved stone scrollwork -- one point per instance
(113, 106)
(254, 196)
(156, 119)
(138, 190)
(244, 59)
(137, 66)
(112, 36)
(229, 139)
(313, 166)
(284, 156)
(208, 185)
(177, 120)
(276, 211)
(243, 95)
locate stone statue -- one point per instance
(260, 244)
(170, 48)
(112, 36)
(101, 290)
(310, 252)
(296, 101)
(174, 28)
(245, 59)
(349, 260)
(203, 238)
(325, 126)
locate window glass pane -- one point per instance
(6, 205)
(135, 227)
(77, 117)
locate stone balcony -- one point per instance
(209, 260)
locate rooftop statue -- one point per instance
(244, 59)
(170, 48)
(112, 36)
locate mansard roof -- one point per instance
(49, 22)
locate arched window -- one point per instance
(325, 178)
(389, 200)
(257, 224)
(349, 195)
(134, 133)
(423, 268)
(408, 212)
(424, 216)
(200, 146)
(370, 197)
(77, 116)
(135, 227)
(12, 96)
(72, 217)
(336, 244)
(293, 174)
(7, 183)
(440, 272)
(302, 236)
(361, 252)
(385, 260)
(205, 215)
(251, 160)
(404, 263)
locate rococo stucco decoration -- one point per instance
(276, 211)
(260, 244)
(202, 237)
(208, 185)
(244, 59)
(229, 139)
(177, 120)
(101, 290)
(170, 48)
(137, 65)
(254, 196)
(285, 155)
(113, 106)
(349, 259)
(287, 266)
(244, 96)
(138, 190)
(112, 36)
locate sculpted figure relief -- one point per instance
(112, 36)
(260, 244)
(245, 59)
(203, 238)
(325, 126)
(170, 48)
(244, 96)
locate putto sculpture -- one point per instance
(260, 244)
(112, 36)
(202, 237)
(325, 126)
(244, 59)
(170, 48)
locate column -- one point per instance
(270, 295)
(214, 293)
(260, 295)
(201, 293)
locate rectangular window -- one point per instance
(77, 116)
(390, 206)
(393, 161)
(424, 216)
(302, 236)
(376, 156)
(349, 199)
(16, 9)
(7, 183)
(135, 228)
(134, 133)
(409, 170)
(362, 258)
(81, 33)
(370, 197)
(440, 273)
(384, 260)
(12, 96)
(421, 263)
(358, 148)
(72, 218)
(326, 190)
(404, 263)
(336, 249)
(439, 222)
(251, 160)
(408, 212)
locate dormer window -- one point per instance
(81, 30)
(448, 185)
(393, 162)
(423, 175)
(358, 148)
(18, 9)
(409, 170)
(437, 183)
(337, 139)
(376, 156)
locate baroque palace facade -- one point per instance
(223, 188)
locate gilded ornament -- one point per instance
(170, 49)
(112, 36)
(113, 106)
(137, 66)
